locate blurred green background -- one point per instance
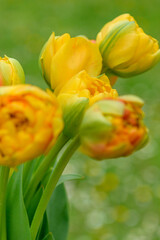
(118, 199)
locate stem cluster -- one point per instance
(57, 158)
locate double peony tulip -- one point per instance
(77, 94)
(126, 50)
(63, 57)
(113, 128)
(82, 85)
(30, 121)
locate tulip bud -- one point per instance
(11, 72)
(113, 128)
(126, 50)
(63, 57)
(75, 96)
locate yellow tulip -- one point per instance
(113, 128)
(126, 50)
(77, 94)
(63, 57)
(11, 72)
(30, 121)
(83, 86)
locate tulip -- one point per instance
(82, 85)
(63, 57)
(30, 122)
(113, 128)
(126, 50)
(80, 92)
(11, 72)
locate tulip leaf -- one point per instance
(57, 213)
(44, 228)
(17, 219)
(49, 236)
(27, 173)
(69, 177)
(28, 170)
(34, 203)
(63, 178)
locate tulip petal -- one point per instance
(82, 85)
(76, 55)
(46, 57)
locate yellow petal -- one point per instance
(76, 55)
(46, 56)
(82, 85)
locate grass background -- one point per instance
(118, 199)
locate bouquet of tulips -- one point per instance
(40, 130)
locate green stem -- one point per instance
(104, 69)
(4, 174)
(64, 157)
(47, 162)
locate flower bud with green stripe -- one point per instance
(126, 50)
(11, 72)
(113, 128)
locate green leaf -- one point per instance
(17, 219)
(44, 228)
(49, 236)
(57, 212)
(69, 177)
(28, 170)
(34, 203)
(63, 178)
